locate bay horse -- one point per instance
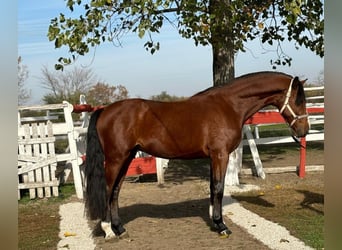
(206, 125)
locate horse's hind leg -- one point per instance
(115, 173)
(106, 225)
(117, 226)
(112, 170)
(106, 221)
(217, 175)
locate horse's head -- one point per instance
(293, 108)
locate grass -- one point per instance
(307, 227)
(65, 191)
(38, 220)
(282, 129)
(299, 205)
(286, 154)
(286, 148)
(304, 220)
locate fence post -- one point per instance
(73, 150)
(161, 165)
(254, 151)
(234, 166)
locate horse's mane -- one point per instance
(240, 78)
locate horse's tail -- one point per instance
(95, 198)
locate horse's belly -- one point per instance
(173, 149)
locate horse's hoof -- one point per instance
(111, 239)
(225, 234)
(124, 235)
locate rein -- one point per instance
(287, 105)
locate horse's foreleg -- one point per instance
(217, 174)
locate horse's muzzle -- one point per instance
(301, 131)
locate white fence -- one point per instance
(36, 152)
(37, 160)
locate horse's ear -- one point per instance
(303, 81)
(298, 84)
(296, 81)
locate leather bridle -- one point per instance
(287, 105)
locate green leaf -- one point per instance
(203, 21)
(61, 18)
(59, 67)
(141, 33)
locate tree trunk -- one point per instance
(223, 64)
(222, 42)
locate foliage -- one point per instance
(103, 94)
(206, 22)
(165, 97)
(52, 99)
(23, 94)
(66, 85)
(69, 85)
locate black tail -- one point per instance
(95, 198)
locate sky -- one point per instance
(179, 67)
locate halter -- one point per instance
(287, 105)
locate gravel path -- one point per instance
(271, 234)
(75, 232)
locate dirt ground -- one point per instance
(175, 216)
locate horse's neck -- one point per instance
(257, 95)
